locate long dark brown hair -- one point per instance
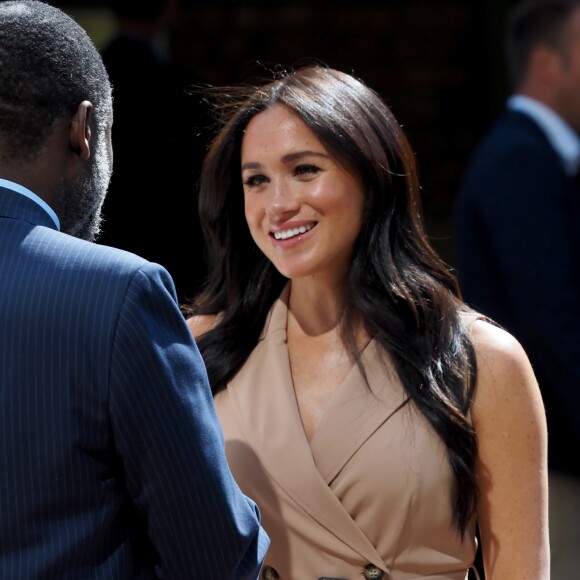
(408, 299)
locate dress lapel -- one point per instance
(356, 412)
(264, 400)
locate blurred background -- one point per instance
(437, 63)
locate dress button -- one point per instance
(371, 572)
(269, 573)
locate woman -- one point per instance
(371, 414)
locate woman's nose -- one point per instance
(283, 201)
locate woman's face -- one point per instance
(303, 208)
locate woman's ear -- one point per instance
(80, 131)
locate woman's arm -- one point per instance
(511, 470)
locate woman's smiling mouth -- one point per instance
(290, 233)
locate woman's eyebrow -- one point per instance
(299, 154)
(288, 158)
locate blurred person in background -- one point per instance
(517, 237)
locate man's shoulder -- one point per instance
(514, 144)
(67, 260)
(96, 256)
(510, 132)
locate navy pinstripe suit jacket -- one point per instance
(112, 463)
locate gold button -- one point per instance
(371, 572)
(269, 573)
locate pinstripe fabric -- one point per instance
(111, 458)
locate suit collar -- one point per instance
(15, 204)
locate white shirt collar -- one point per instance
(561, 136)
(26, 192)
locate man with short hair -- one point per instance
(112, 462)
(517, 237)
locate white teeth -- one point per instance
(285, 234)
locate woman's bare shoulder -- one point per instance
(509, 417)
(506, 383)
(494, 345)
(199, 324)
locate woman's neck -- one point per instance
(316, 307)
(317, 310)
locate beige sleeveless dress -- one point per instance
(368, 497)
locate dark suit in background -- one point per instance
(518, 258)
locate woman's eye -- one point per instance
(254, 180)
(306, 170)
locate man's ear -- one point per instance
(80, 131)
(548, 62)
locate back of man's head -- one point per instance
(533, 23)
(48, 65)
